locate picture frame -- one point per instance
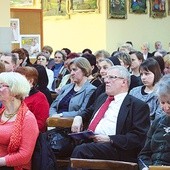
(138, 7)
(84, 6)
(15, 30)
(117, 9)
(21, 3)
(158, 8)
(168, 7)
(31, 42)
(56, 9)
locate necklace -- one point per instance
(8, 116)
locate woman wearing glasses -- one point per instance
(43, 59)
(17, 122)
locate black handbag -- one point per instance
(60, 142)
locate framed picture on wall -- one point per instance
(15, 30)
(138, 6)
(157, 8)
(21, 3)
(117, 9)
(84, 6)
(56, 9)
(168, 7)
(31, 43)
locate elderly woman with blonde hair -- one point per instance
(16, 123)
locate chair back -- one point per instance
(159, 167)
(63, 122)
(102, 164)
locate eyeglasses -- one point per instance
(113, 77)
(43, 59)
(3, 85)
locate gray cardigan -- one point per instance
(77, 103)
(151, 99)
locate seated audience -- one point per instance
(66, 51)
(126, 48)
(49, 50)
(43, 82)
(94, 78)
(22, 56)
(42, 59)
(63, 80)
(18, 126)
(150, 75)
(161, 63)
(28, 62)
(10, 61)
(136, 59)
(2, 69)
(59, 58)
(158, 47)
(104, 65)
(100, 55)
(74, 97)
(145, 50)
(87, 51)
(36, 101)
(157, 147)
(167, 64)
(125, 60)
(120, 132)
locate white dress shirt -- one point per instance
(107, 124)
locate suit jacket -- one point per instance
(150, 55)
(132, 125)
(77, 103)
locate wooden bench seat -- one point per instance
(61, 122)
(102, 164)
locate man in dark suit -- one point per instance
(145, 50)
(121, 132)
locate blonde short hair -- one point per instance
(83, 64)
(18, 84)
(167, 59)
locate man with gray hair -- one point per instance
(120, 122)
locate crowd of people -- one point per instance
(123, 97)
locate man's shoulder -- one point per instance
(134, 100)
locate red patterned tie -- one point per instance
(100, 113)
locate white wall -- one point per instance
(5, 36)
(95, 31)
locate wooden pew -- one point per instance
(159, 167)
(61, 122)
(102, 164)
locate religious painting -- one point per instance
(31, 42)
(15, 30)
(117, 9)
(157, 8)
(84, 6)
(21, 3)
(168, 7)
(138, 6)
(56, 8)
